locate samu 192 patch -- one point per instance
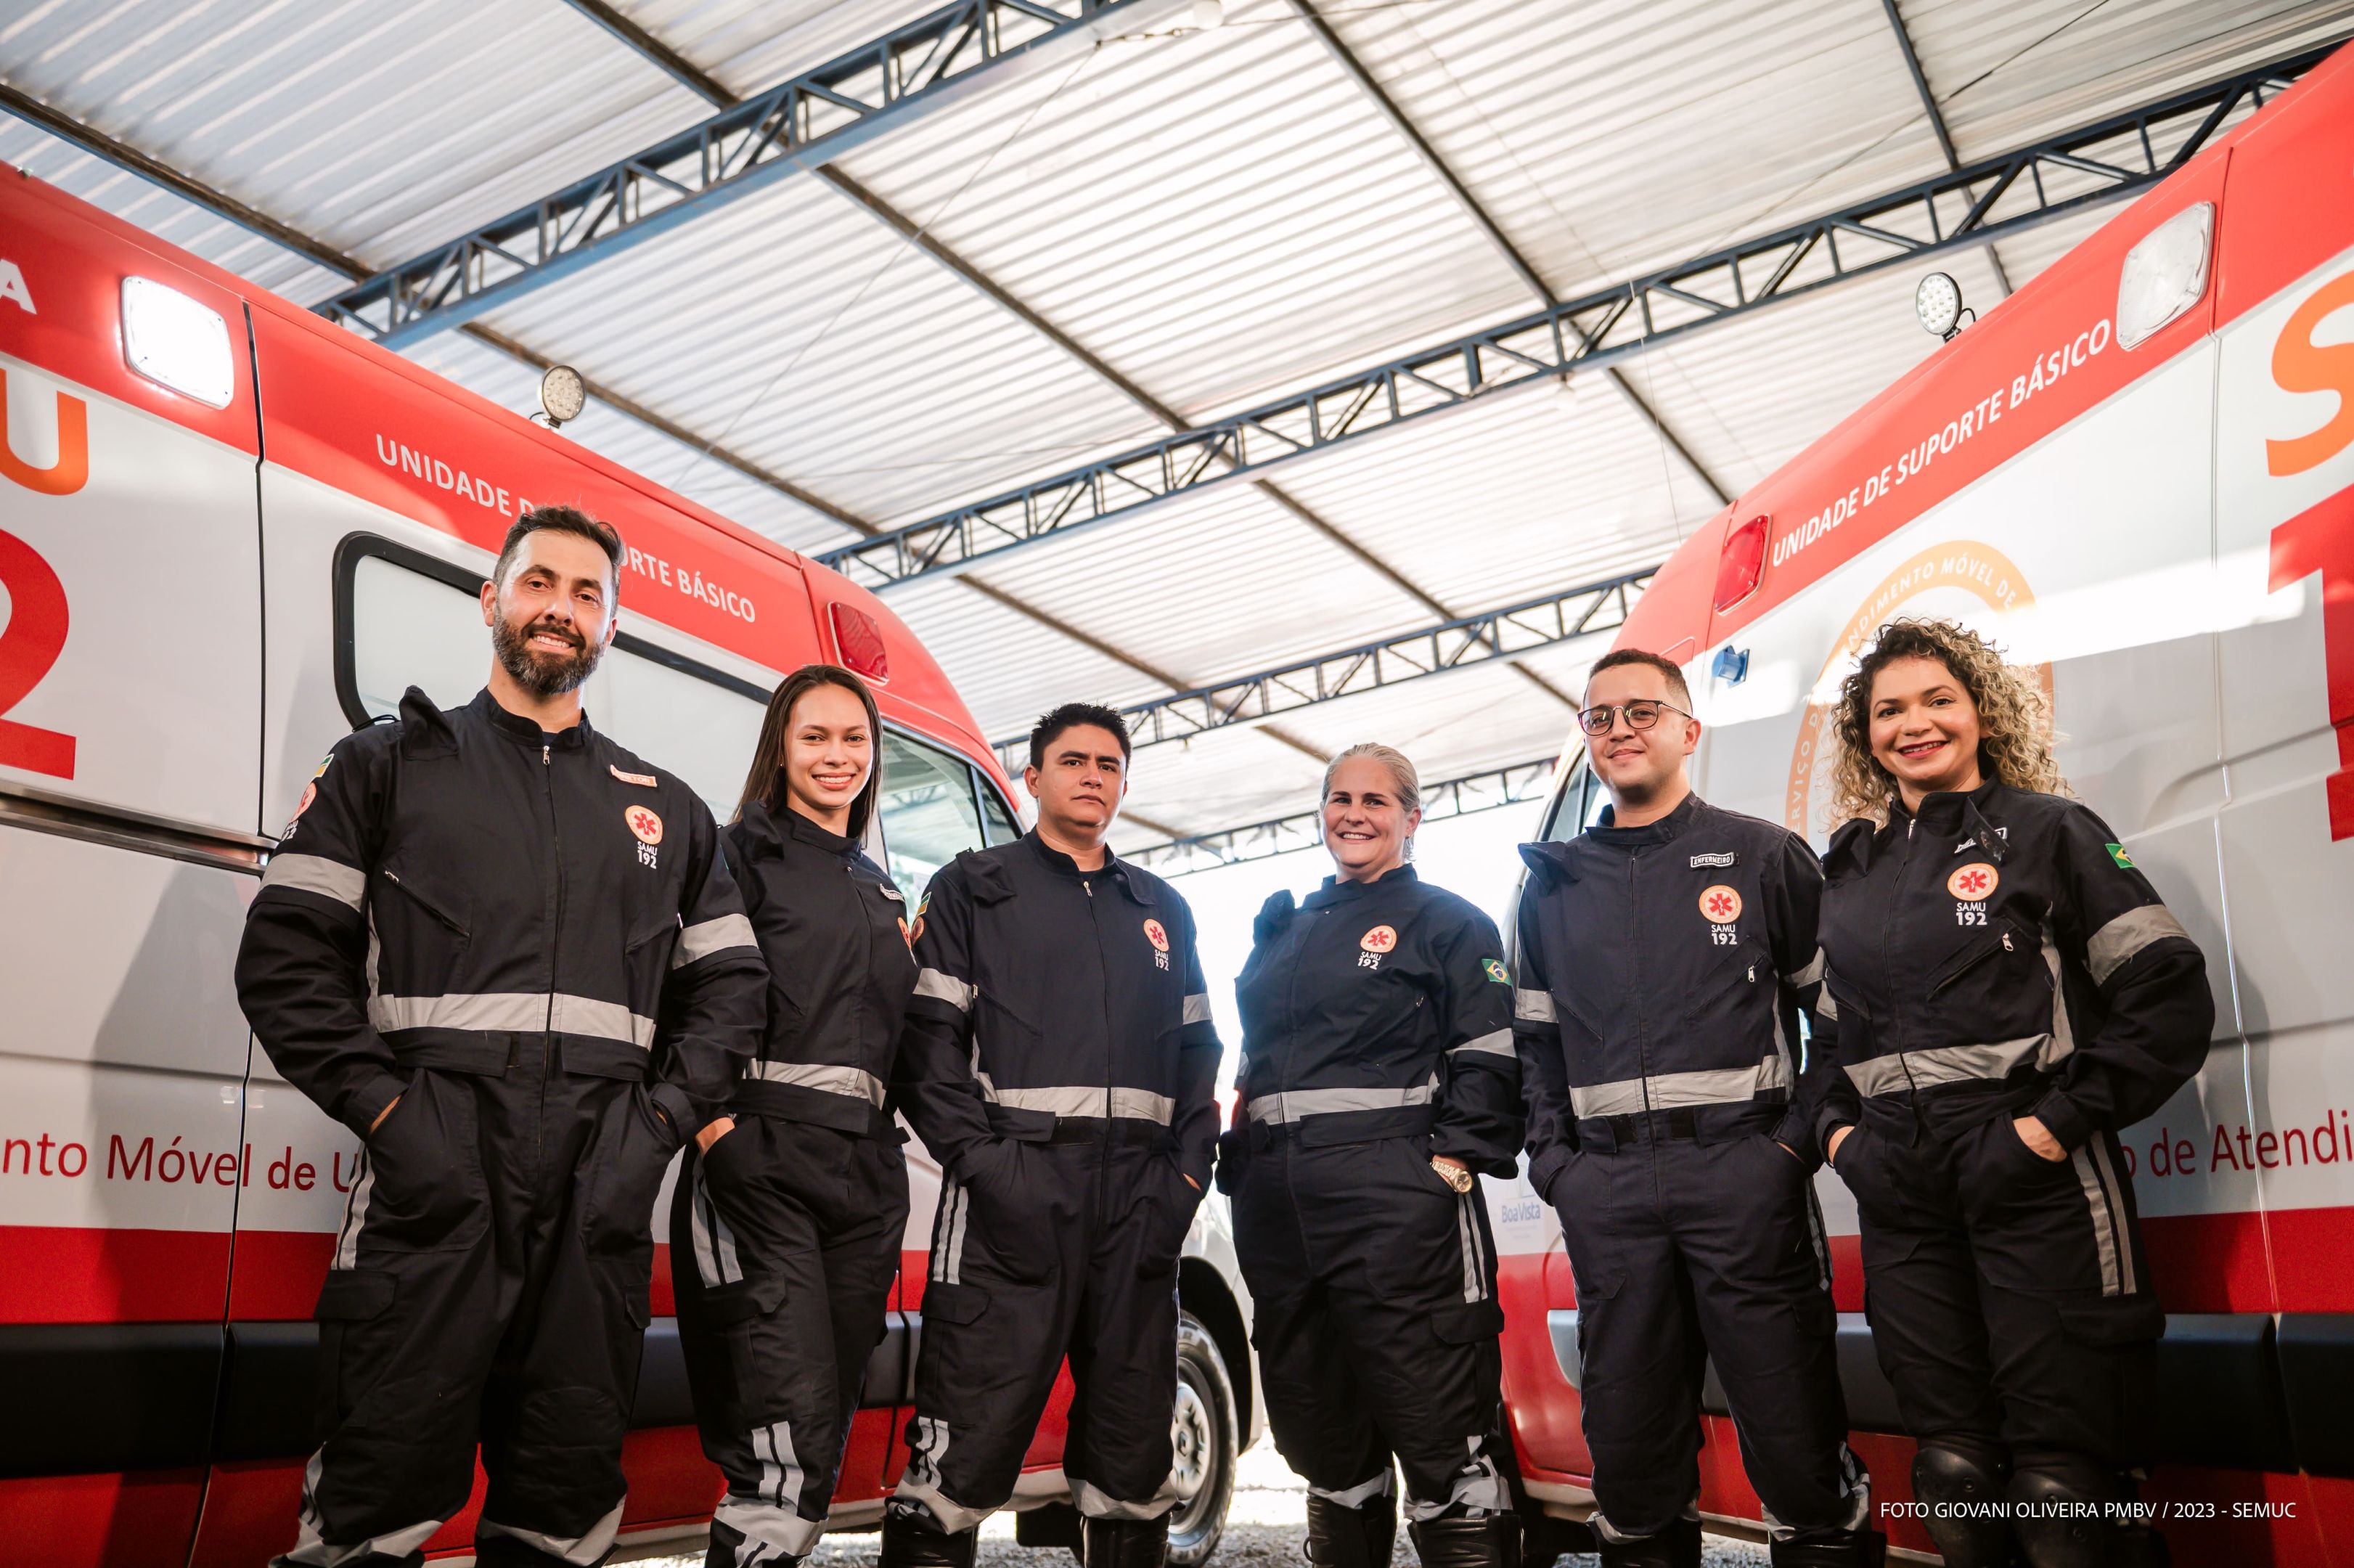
(2117, 853)
(1496, 970)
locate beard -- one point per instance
(543, 675)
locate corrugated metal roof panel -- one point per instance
(802, 333)
(1219, 216)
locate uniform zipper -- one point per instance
(556, 935)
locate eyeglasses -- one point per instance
(1641, 714)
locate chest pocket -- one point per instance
(422, 931)
(1994, 986)
(1735, 981)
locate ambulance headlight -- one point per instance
(2165, 274)
(176, 342)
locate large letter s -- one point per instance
(2299, 365)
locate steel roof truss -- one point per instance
(1510, 632)
(1480, 791)
(797, 124)
(1965, 206)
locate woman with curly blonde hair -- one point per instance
(2003, 991)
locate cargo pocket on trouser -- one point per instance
(740, 1314)
(2113, 1340)
(395, 1413)
(422, 1190)
(1173, 1201)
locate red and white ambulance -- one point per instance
(2138, 473)
(229, 532)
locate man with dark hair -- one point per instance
(506, 954)
(1664, 955)
(1057, 1060)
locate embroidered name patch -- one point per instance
(645, 779)
(1722, 859)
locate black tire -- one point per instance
(1202, 1431)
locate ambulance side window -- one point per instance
(930, 808)
(995, 819)
(405, 619)
(1580, 806)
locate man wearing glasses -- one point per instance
(1664, 957)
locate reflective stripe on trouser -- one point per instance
(1373, 1286)
(785, 1238)
(1062, 1250)
(471, 1186)
(2009, 1300)
(1685, 1251)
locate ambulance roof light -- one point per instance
(860, 642)
(2165, 274)
(1740, 564)
(174, 341)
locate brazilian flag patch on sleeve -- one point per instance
(1496, 970)
(2124, 861)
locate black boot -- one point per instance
(1468, 1541)
(1678, 1546)
(1125, 1543)
(1961, 1491)
(913, 1539)
(1823, 1549)
(2062, 1513)
(1343, 1537)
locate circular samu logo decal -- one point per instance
(1719, 905)
(1156, 936)
(1380, 939)
(644, 823)
(1973, 881)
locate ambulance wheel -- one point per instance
(1202, 1433)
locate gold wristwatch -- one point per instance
(1455, 1176)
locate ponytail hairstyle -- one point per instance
(2014, 716)
(765, 784)
(1404, 781)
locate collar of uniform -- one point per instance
(808, 831)
(1665, 831)
(1336, 891)
(526, 731)
(1113, 867)
(768, 830)
(1945, 811)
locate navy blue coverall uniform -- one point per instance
(1661, 973)
(785, 1234)
(1998, 955)
(1058, 1061)
(1377, 1031)
(532, 941)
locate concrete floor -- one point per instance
(1264, 1530)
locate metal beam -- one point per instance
(2048, 179)
(1460, 797)
(676, 65)
(97, 144)
(1531, 626)
(1483, 220)
(795, 125)
(1937, 121)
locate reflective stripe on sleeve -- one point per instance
(1895, 1073)
(1197, 1007)
(1087, 1100)
(1676, 1091)
(528, 1012)
(957, 993)
(1532, 1006)
(2113, 944)
(1293, 1105)
(316, 873)
(854, 1082)
(1498, 1044)
(706, 937)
